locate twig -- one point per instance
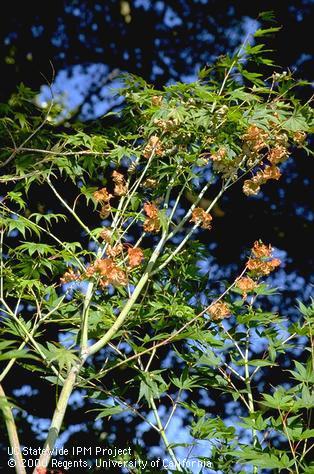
(62, 153)
(65, 204)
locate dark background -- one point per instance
(85, 42)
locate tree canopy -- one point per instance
(138, 272)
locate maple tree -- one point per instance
(127, 288)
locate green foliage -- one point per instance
(64, 358)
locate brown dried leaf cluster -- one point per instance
(154, 145)
(261, 250)
(252, 186)
(109, 268)
(219, 311)
(152, 222)
(70, 276)
(261, 262)
(299, 137)
(121, 187)
(114, 251)
(201, 217)
(166, 125)
(223, 164)
(103, 197)
(156, 100)
(260, 268)
(109, 271)
(255, 140)
(277, 155)
(135, 256)
(246, 285)
(150, 183)
(106, 235)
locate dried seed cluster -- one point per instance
(201, 217)
(103, 197)
(121, 187)
(276, 152)
(154, 145)
(152, 221)
(261, 262)
(219, 311)
(109, 270)
(246, 285)
(223, 164)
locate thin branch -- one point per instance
(62, 153)
(173, 410)
(65, 204)
(249, 388)
(164, 436)
(189, 234)
(84, 325)
(228, 378)
(36, 326)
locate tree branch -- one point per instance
(12, 432)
